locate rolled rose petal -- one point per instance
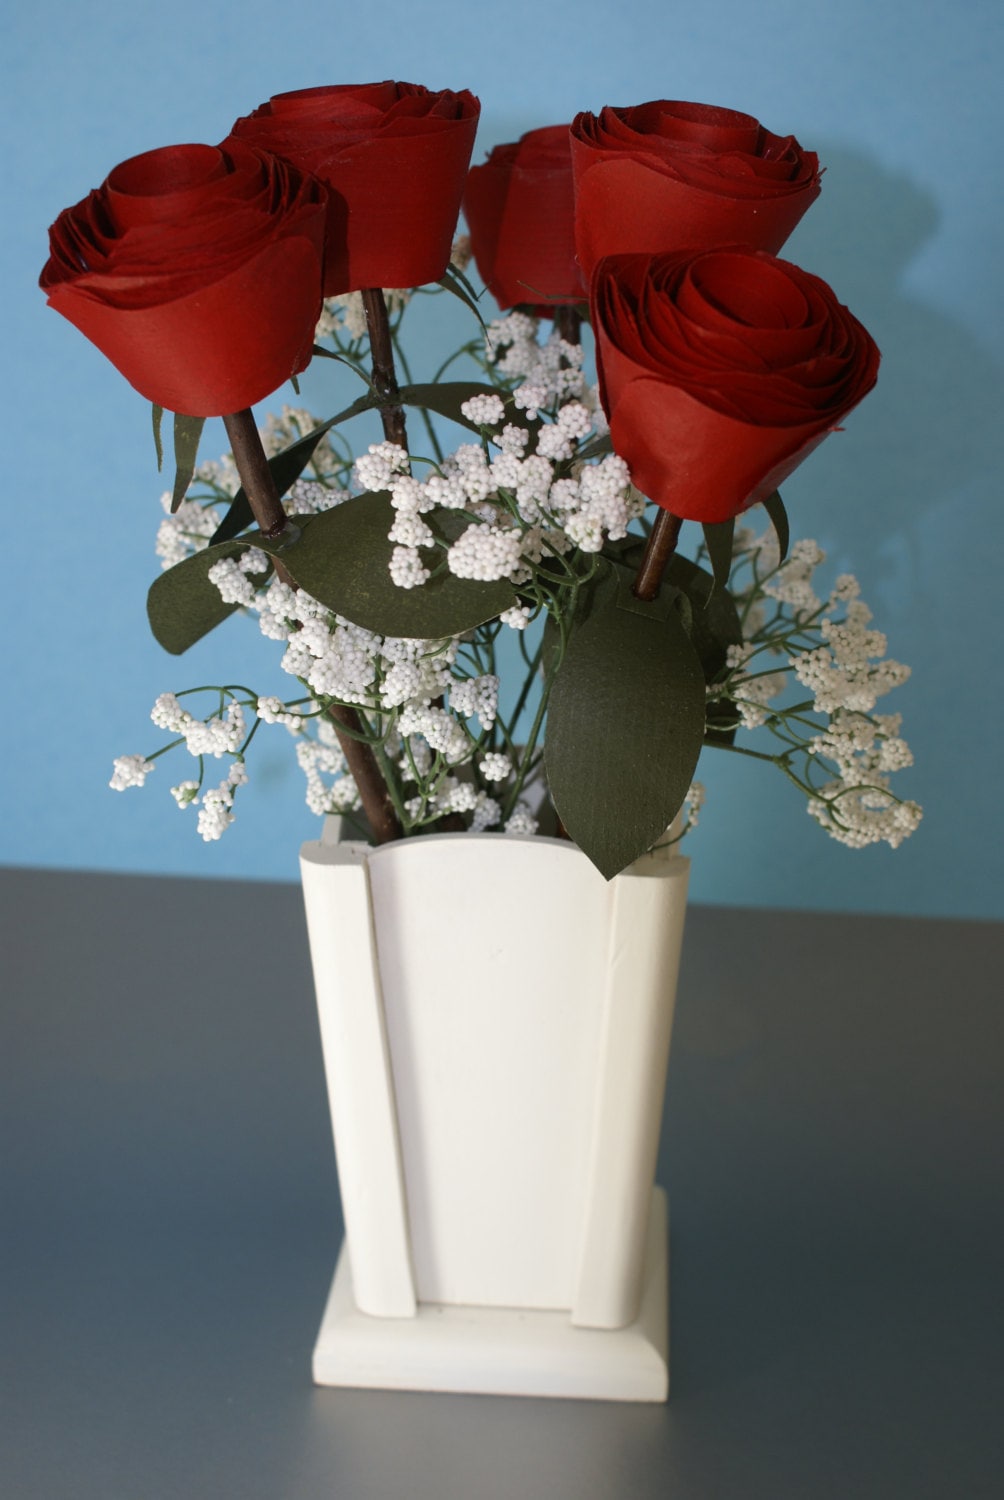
(197, 271)
(520, 209)
(721, 371)
(669, 175)
(394, 157)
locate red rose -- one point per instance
(721, 371)
(671, 176)
(520, 208)
(197, 271)
(394, 156)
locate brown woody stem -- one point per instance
(659, 549)
(263, 497)
(568, 322)
(365, 772)
(256, 476)
(384, 374)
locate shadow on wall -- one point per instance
(908, 501)
(930, 428)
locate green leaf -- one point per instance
(718, 540)
(456, 282)
(157, 413)
(774, 506)
(183, 606)
(187, 432)
(343, 557)
(597, 447)
(715, 623)
(722, 723)
(445, 397)
(625, 727)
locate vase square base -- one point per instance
(503, 1351)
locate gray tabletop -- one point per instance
(169, 1220)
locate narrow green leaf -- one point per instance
(599, 447)
(625, 727)
(722, 724)
(183, 606)
(715, 623)
(456, 282)
(343, 560)
(774, 506)
(157, 413)
(187, 432)
(718, 540)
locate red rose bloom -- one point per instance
(669, 175)
(394, 157)
(520, 209)
(197, 271)
(721, 371)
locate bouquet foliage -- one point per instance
(487, 616)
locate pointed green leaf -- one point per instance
(187, 432)
(715, 623)
(597, 447)
(774, 506)
(157, 413)
(343, 560)
(444, 397)
(718, 540)
(722, 723)
(625, 727)
(455, 282)
(183, 606)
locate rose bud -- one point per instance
(197, 271)
(394, 157)
(520, 208)
(721, 371)
(669, 175)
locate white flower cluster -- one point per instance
(849, 671)
(186, 532)
(751, 691)
(451, 795)
(346, 312)
(219, 735)
(130, 770)
(322, 758)
(858, 807)
(843, 665)
(216, 811)
(545, 374)
(525, 504)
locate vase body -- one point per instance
(495, 1019)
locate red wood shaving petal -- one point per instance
(197, 271)
(519, 208)
(699, 463)
(394, 158)
(626, 205)
(216, 350)
(710, 407)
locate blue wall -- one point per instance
(903, 104)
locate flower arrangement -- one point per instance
(500, 633)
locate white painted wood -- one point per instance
(496, 1138)
(489, 950)
(502, 1351)
(357, 1067)
(646, 934)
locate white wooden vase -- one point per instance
(495, 1020)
